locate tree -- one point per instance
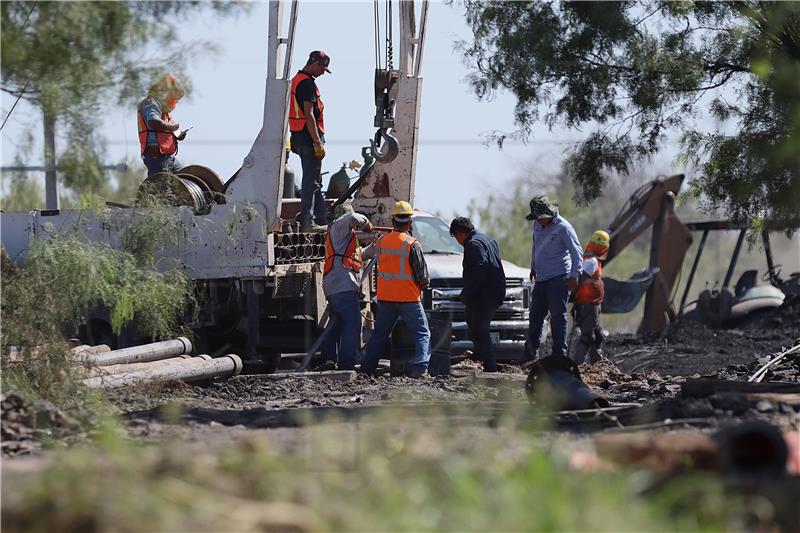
(635, 70)
(71, 59)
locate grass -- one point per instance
(64, 277)
(386, 473)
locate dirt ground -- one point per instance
(642, 378)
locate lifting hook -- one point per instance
(386, 150)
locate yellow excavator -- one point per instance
(653, 205)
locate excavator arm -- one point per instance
(654, 205)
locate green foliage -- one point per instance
(636, 70)
(64, 278)
(388, 474)
(73, 59)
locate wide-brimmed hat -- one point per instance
(542, 207)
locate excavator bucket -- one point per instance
(624, 296)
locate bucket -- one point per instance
(402, 351)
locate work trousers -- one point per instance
(549, 295)
(344, 341)
(312, 203)
(479, 319)
(162, 163)
(417, 323)
(587, 318)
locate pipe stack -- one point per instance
(294, 248)
(153, 363)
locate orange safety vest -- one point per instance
(167, 142)
(395, 277)
(351, 258)
(297, 117)
(591, 288)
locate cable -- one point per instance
(24, 23)
(15, 104)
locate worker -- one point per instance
(555, 267)
(342, 285)
(484, 286)
(307, 127)
(589, 297)
(157, 138)
(402, 276)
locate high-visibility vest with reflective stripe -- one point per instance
(297, 117)
(351, 258)
(395, 277)
(167, 142)
(591, 289)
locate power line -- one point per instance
(24, 23)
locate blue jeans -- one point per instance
(414, 317)
(311, 199)
(345, 338)
(549, 295)
(162, 163)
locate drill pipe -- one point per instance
(142, 354)
(133, 367)
(188, 370)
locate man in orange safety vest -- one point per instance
(341, 281)
(158, 132)
(307, 129)
(402, 276)
(589, 298)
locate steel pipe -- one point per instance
(142, 354)
(133, 367)
(188, 370)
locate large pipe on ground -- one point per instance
(753, 448)
(133, 367)
(142, 354)
(188, 370)
(557, 380)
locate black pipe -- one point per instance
(734, 258)
(693, 271)
(557, 379)
(752, 448)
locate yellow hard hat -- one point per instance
(402, 209)
(600, 237)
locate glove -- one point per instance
(319, 150)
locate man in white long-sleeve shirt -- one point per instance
(555, 266)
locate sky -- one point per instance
(225, 107)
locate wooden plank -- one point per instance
(335, 375)
(498, 379)
(702, 387)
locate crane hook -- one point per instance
(390, 145)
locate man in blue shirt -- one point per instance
(484, 286)
(556, 256)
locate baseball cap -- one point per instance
(318, 56)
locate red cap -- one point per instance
(318, 56)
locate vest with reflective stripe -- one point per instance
(167, 142)
(351, 258)
(591, 288)
(395, 277)
(297, 117)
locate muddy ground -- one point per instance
(643, 378)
